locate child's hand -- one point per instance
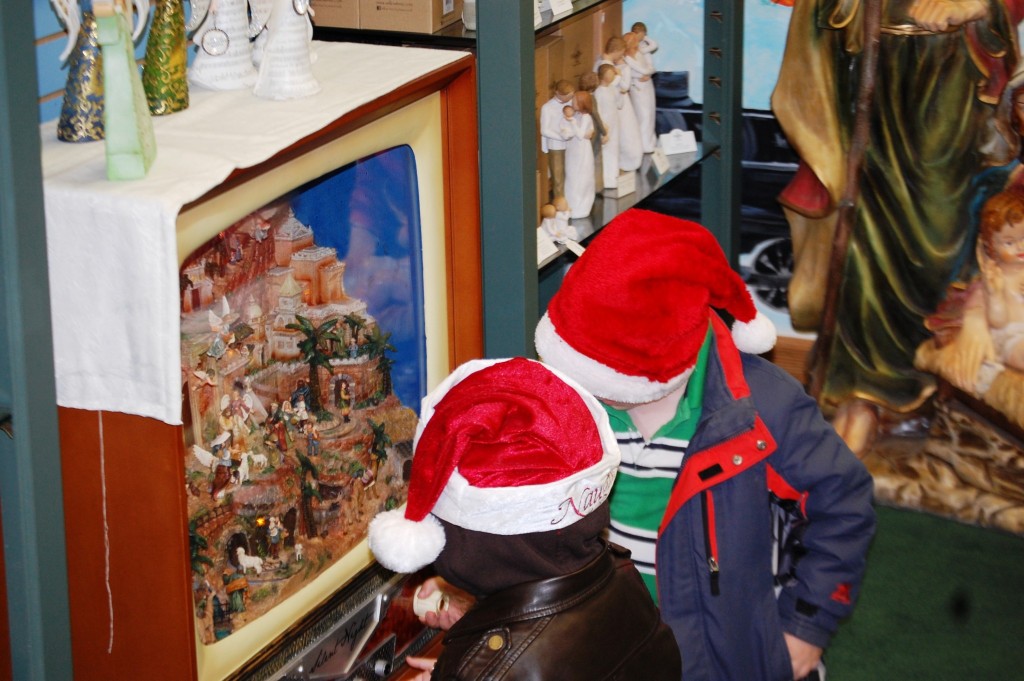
(456, 605)
(425, 664)
(805, 656)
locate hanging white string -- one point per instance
(106, 536)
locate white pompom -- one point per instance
(404, 545)
(756, 336)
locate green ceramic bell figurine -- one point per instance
(164, 75)
(130, 143)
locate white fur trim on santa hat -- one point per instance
(403, 545)
(599, 379)
(756, 336)
(526, 509)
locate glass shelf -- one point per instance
(648, 181)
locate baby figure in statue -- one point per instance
(508, 497)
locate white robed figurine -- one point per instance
(223, 59)
(631, 151)
(285, 70)
(578, 130)
(609, 101)
(641, 91)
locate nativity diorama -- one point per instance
(907, 223)
(302, 357)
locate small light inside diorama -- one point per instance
(261, 521)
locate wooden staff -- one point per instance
(872, 26)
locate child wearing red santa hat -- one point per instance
(508, 494)
(747, 514)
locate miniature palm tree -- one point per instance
(355, 323)
(316, 352)
(197, 544)
(377, 344)
(378, 445)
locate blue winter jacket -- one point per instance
(763, 464)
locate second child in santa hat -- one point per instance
(508, 494)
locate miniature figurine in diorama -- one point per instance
(237, 587)
(631, 151)
(609, 100)
(641, 90)
(343, 400)
(301, 413)
(285, 62)
(552, 143)
(223, 58)
(953, 58)
(253, 401)
(288, 414)
(221, 472)
(312, 438)
(238, 409)
(302, 392)
(275, 536)
(127, 126)
(588, 85)
(277, 428)
(578, 128)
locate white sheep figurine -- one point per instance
(258, 460)
(298, 552)
(247, 562)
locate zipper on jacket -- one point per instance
(707, 511)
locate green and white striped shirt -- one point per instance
(648, 471)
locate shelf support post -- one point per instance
(723, 123)
(34, 554)
(508, 164)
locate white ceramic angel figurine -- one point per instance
(285, 70)
(223, 59)
(641, 91)
(578, 130)
(609, 101)
(630, 147)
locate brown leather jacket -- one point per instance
(596, 623)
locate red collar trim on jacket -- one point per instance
(729, 356)
(710, 467)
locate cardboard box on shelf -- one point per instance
(413, 16)
(336, 13)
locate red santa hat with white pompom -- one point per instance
(632, 313)
(506, 446)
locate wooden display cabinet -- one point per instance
(126, 496)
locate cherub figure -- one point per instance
(991, 337)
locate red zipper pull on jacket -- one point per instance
(707, 511)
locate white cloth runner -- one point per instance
(112, 246)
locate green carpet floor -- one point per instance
(941, 601)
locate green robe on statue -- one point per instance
(934, 93)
